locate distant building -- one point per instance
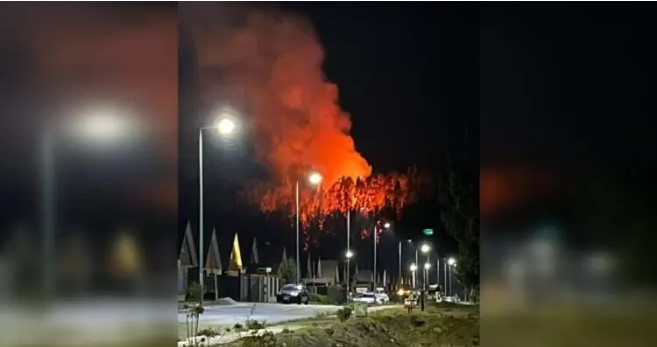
(363, 280)
(187, 259)
(235, 266)
(327, 274)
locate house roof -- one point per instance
(328, 269)
(213, 257)
(187, 254)
(364, 276)
(235, 263)
(254, 258)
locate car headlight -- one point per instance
(294, 293)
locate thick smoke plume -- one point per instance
(269, 67)
(273, 64)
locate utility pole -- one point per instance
(374, 287)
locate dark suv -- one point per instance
(293, 293)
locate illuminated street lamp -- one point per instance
(399, 259)
(413, 269)
(99, 125)
(314, 178)
(448, 273)
(225, 126)
(427, 266)
(425, 248)
(386, 225)
(348, 254)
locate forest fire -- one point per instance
(273, 61)
(374, 194)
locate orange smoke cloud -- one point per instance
(273, 64)
(269, 67)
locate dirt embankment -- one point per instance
(439, 326)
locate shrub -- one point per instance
(329, 331)
(267, 339)
(416, 321)
(238, 327)
(209, 332)
(254, 324)
(344, 313)
(194, 291)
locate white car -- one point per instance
(381, 296)
(366, 298)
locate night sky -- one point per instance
(408, 77)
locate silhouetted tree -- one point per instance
(460, 217)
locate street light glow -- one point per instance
(427, 266)
(226, 126)
(387, 225)
(102, 124)
(425, 248)
(451, 261)
(413, 267)
(349, 254)
(315, 178)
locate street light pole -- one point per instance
(200, 217)
(348, 250)
(225, 126)
(413, 269)
(428, 272)
(445, 277)
(450, 262)
(438, 270)
(449, 275)
(314, 178)
(399, 251)
(417, 261)
(297, 227)
(374, 287)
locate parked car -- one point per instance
(293, 293)
(366, 298)
(381, 296)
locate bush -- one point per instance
(267, 339)
(209, 332)
(344, 313)
(194, 291)
(253, 324)
(238, 327)
(416, 321)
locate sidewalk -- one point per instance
(233, 336)
(291, 325)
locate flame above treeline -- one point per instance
(271, 62)
(369, 196)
